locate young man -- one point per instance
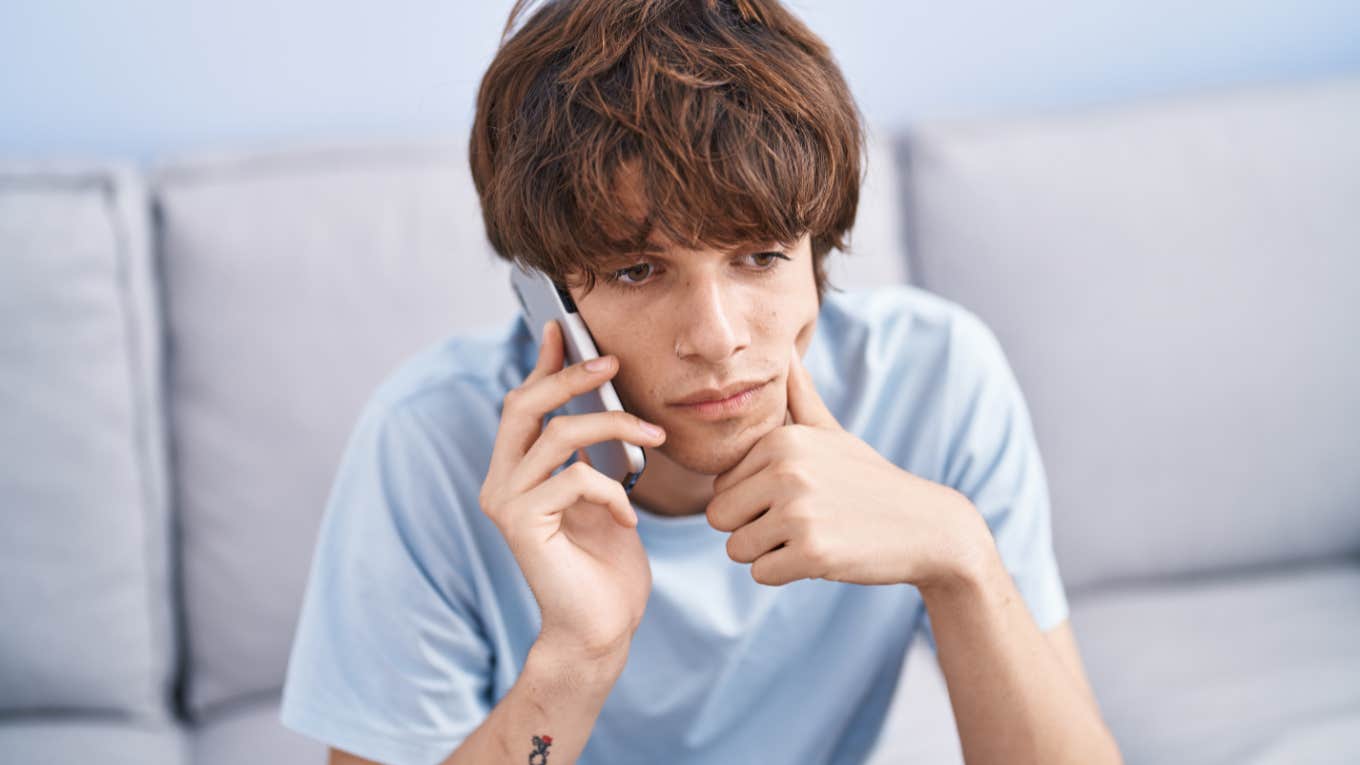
(825, 473)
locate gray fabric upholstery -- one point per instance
(295, 281)
(76, 739)
(1176, 286)
(250, 732)
(876, 248)
(83, 555)
(1225, 669)
(919, 726)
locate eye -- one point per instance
(766, 260)
(633, 274)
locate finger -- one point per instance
(551, 355)
(758, 537)
(568, 433)
(760, 455)
(525, 407)
(578, 483)
(550, 352)
(778, 567)
(741, 503)
(805, 404)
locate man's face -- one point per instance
(685, 321)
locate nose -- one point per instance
(711, 322)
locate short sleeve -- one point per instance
(992, 457)
(389, 661)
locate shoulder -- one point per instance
(419, 451)
(900, 326)
(910, 371)
(456, 385)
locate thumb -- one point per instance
(805, 405)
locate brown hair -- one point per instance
(732, 113)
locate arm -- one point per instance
(556, 698)
(813, 501)
(574, 538)
(1017, 695)
(573, 534)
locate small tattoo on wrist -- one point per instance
(540, 754)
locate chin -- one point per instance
(713, 449)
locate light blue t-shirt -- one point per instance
(417, 619)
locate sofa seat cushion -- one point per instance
(76, 739)
(919, 725)
(1256, 667)
(250, 732)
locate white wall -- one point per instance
(150, 77)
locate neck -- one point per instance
(667, 488)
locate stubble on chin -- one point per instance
(711, 451)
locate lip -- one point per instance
(717, 403)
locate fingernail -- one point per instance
(597, 365)
(650, 429)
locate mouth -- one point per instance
(728, 402)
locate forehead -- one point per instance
(632, 220)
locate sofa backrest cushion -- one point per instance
(1177, 287)
(84, 590)
(296, 280)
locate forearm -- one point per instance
(1014, 701)
(555, 696)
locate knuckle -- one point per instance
(580, 472)
(762, 574)
(715, 517)
(553, 431)
(489, 498)
(790, 472)
(495, 510)
(785, 437)
(513, 401)
(798, 512)
(735, 551)
(817, 553)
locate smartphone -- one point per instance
(543, 299)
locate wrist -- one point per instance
(970, 554)
(572, 665)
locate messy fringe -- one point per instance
(732, 115)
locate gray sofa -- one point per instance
(184, 348)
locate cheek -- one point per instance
(632, 386)
(632, 343)
(793, 320)
(612, 335)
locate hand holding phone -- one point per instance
(573, 532)
(543, 300)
